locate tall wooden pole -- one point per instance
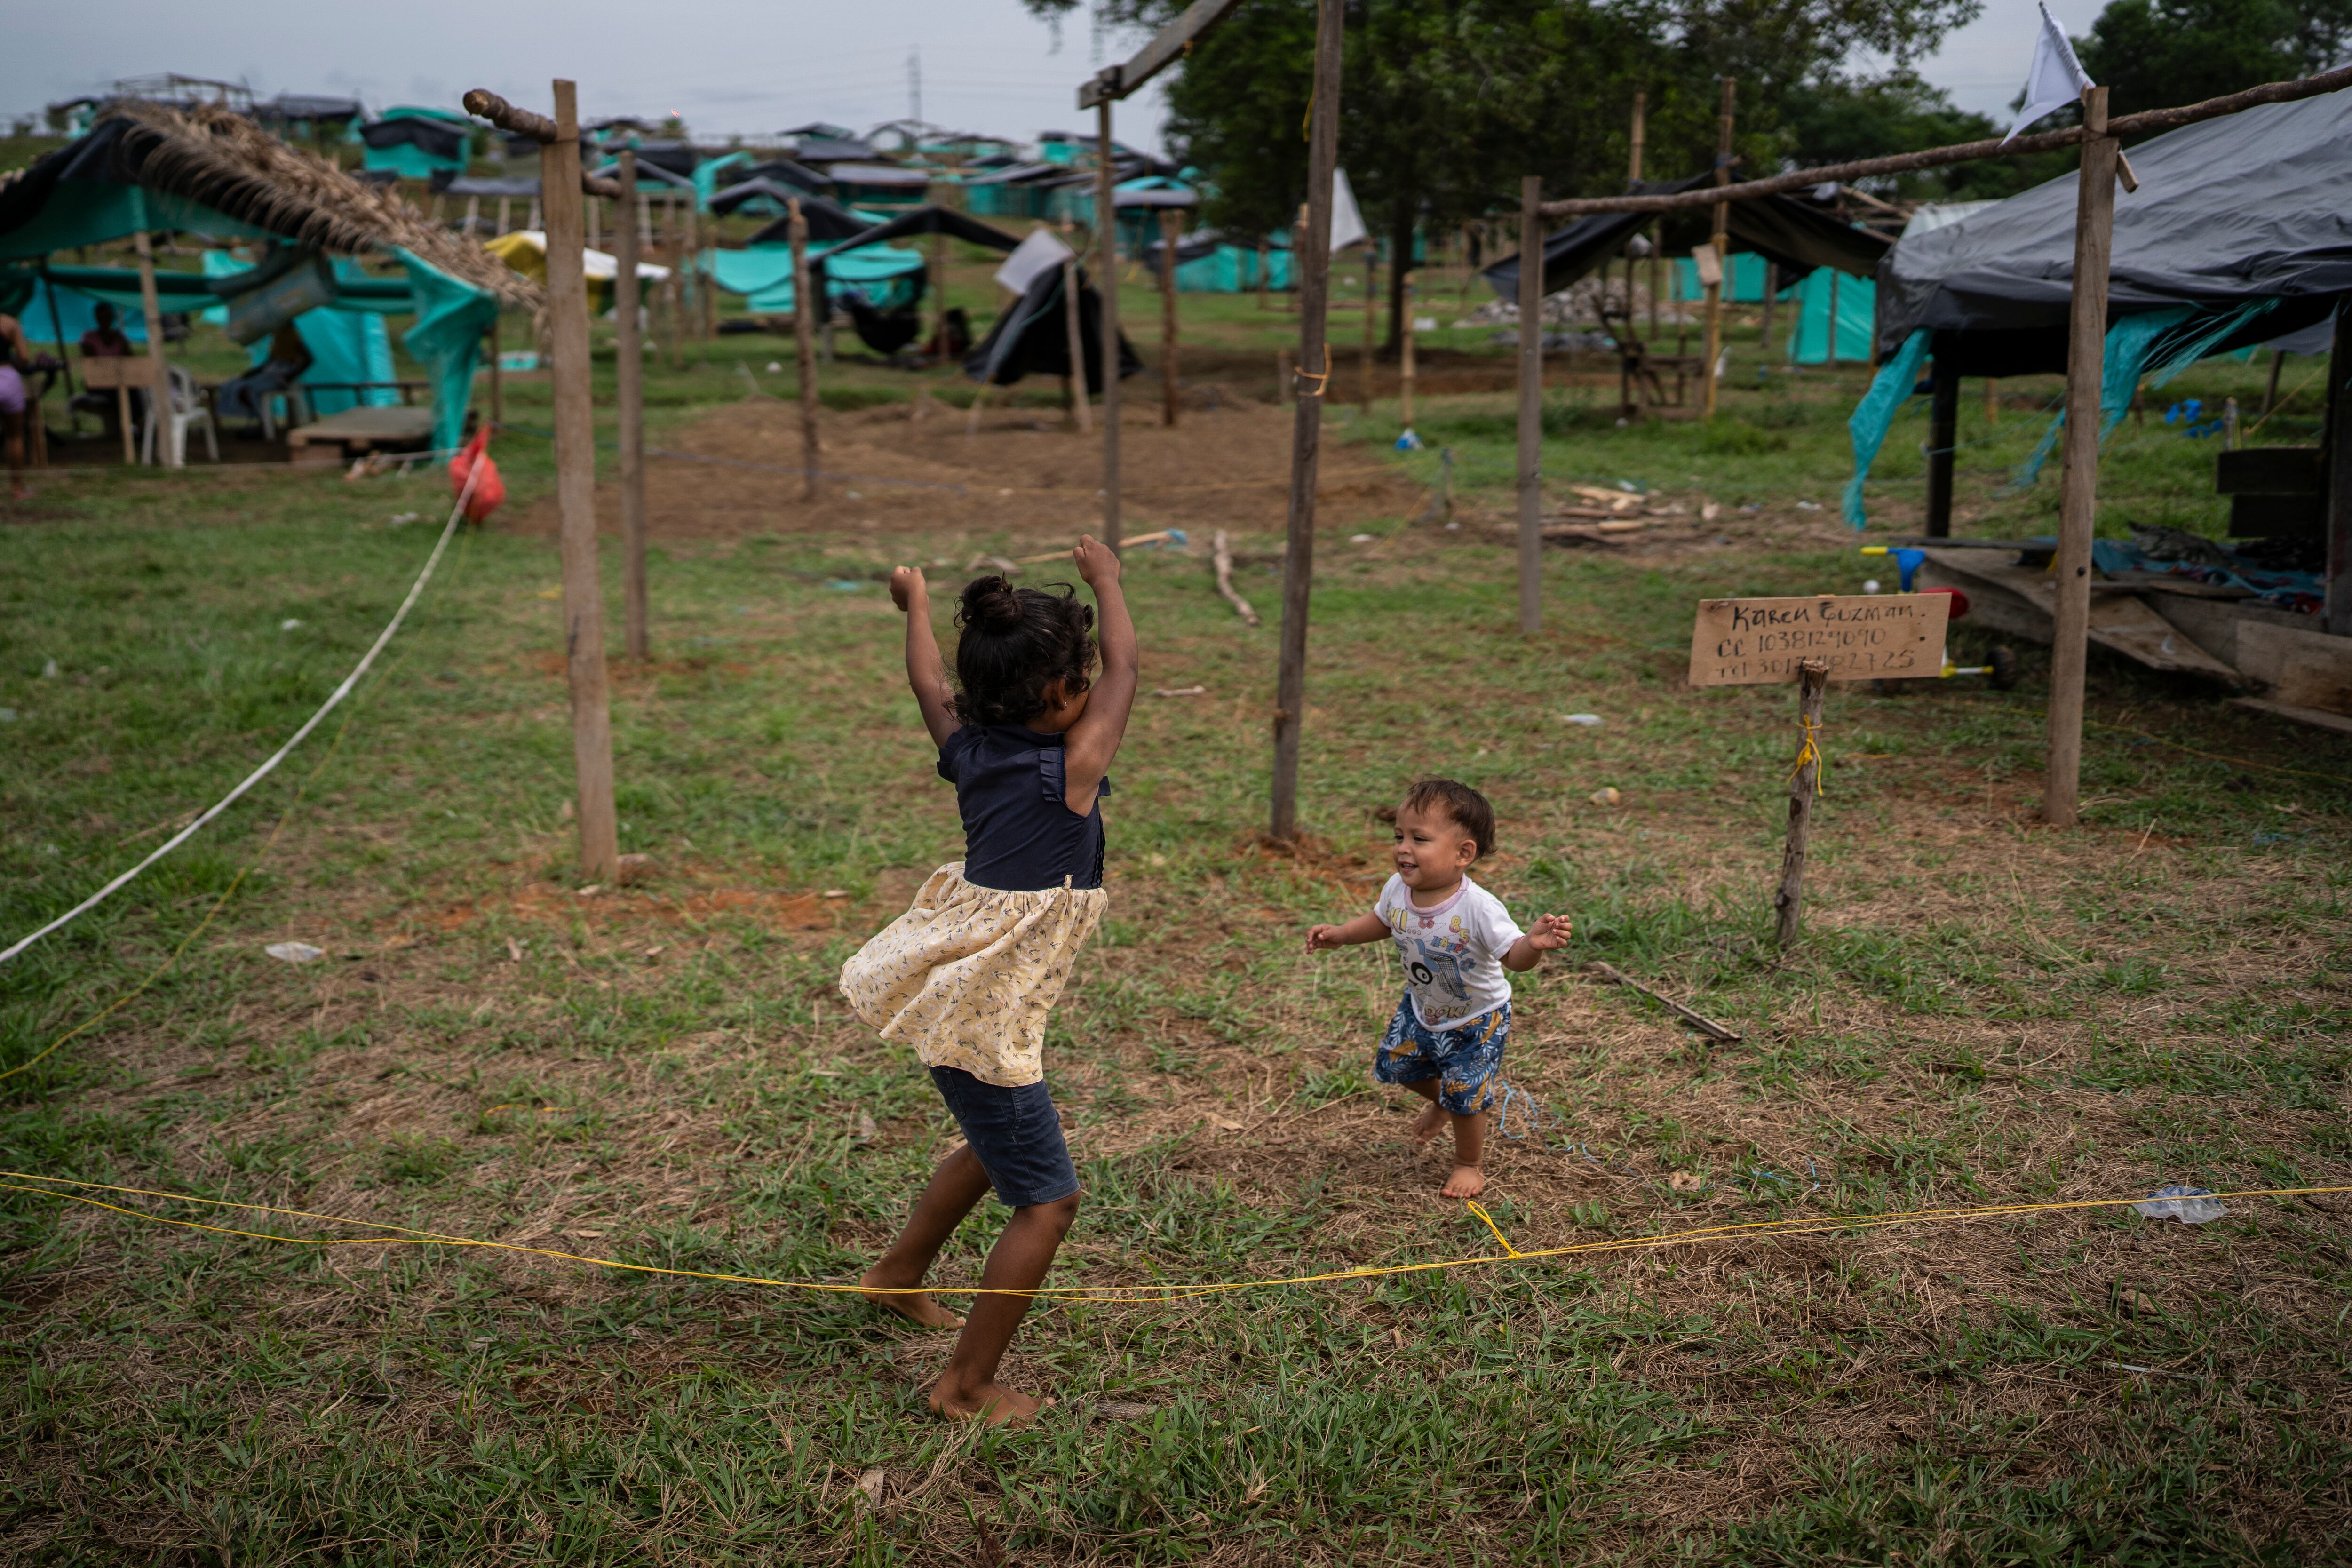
(2336, 518)
(1531, 280)
(575, 492)
(1640, 117)
(1107, 289)
(1405, 365)
(1371, 320)
(2078, 503)
(1721, 239)
(1804, 784)
(629, 394)
(1172, 223)
(1943, 439)
(805, 309)
(1311, 261)
(159, 389)
(1071, 282)
(690, 273)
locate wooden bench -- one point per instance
(339, 438)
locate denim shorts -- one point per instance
(1466, 1061)
(1015, 1133)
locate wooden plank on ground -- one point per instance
(2303, 669)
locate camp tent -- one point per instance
(1033, 338)
(416, 142)
(525, 250)
(147, 167)
(1207, 262)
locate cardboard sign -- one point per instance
(1710, 270)
(1860, 636)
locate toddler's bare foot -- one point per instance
(1467, 1182)
(990, 1402)
(920, 1308)
(1425, 1125)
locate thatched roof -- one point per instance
(227, 163)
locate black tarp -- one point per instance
(827, 220)
(2249, 206)
(1188, 248)
(886, 332)
(434, 138)
(784, 172)
(920, 220)
(1793, 237)
(1033, 338)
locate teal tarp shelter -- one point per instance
(1744, 286)
(418, 142)
(1231, 269)
(347, 340)
(1857, 306)
(763, 275)
(147, 166)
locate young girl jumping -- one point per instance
(1027, 734)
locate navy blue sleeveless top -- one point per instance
(1018, 835)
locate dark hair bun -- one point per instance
(992, 604)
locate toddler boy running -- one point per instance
(1446, 1043)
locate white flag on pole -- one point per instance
(2056, 78)
(1041, 251)
(1346, 219)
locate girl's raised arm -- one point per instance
(925, 672)
(1094, 740)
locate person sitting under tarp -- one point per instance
(106, 340)
(247, 397)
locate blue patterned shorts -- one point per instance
(1467, 1060)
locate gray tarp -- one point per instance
(2249, 206)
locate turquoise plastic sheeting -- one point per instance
(1857, 313)
(1888, 392)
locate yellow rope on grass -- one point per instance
(394, 1234)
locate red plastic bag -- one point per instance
(489, 490)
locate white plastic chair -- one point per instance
(188, 409)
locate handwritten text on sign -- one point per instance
(1860, 636)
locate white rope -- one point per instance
(263, 771)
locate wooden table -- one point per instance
(339, 438)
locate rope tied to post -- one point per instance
(1320, 381)
(1809, 751)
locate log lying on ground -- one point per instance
(1705, 1025)
(1224, 556)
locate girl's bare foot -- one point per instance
(990, 1402)
(1467, 1182)
(1425, 1125)
(918, 1307)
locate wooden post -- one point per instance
(594, 210)
(1107, 290)
(1311, 266)
(1070, 322)
(1771, 287)
(629, 394)
(2335, 515)
(1804, 784)
(690, 277)
(1943, 437)
(1405, 365)
(938, 267)
(506, 211)
(1640, 122)
(1265, 268)
(473, 216)
(1531, 277)
(575, 493)
(807, 308)
(1830, 354)
(1172, 224)
(1283, 386)
(497, 382)
(1722, 241)
(1371, 318)
(159, 389)
(2078, 503)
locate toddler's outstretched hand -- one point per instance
(1550, 933)
(1321, 939)
(906, 586)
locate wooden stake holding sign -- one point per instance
(1862, 637)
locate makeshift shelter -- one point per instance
(145, 168)
(1821, 292)
(1782, 230)
(525, 250)
(1209, 262)
(1033, 338)
(2234, 237)
(416, 142)
(1745, 278)
(348, 342)
(878, 184)
(884, 276)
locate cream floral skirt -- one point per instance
(969, 974)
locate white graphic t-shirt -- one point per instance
(1452, 953)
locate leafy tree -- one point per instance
(1447, 103)
(2154, 54)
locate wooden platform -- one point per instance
(339, 438)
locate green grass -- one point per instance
(1980, 1009)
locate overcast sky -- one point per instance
(726, 65)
